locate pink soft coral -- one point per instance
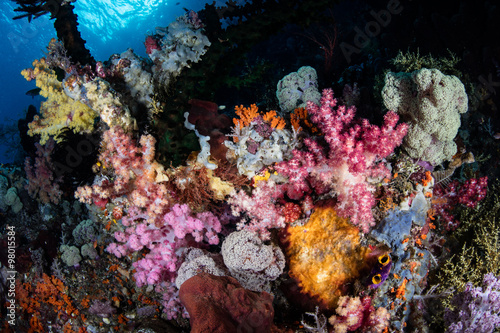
(133, 172)
(41, 175)
(260, 208)
(353, 156)
(354, 313)
(180, 229)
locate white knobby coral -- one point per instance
(250, 261)
(431, 103)
(295, 89)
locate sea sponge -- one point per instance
(70, 255)
(250, 261)
(325, 254)
(11, 199)
(258, 140)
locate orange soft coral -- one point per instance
(274, 120)
(299, 116)
(325, 255)
(246, 115)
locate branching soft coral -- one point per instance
(353, 156)
(180, 228)
(59, 110)
(136, 178)
(42, 179)
(478, 309)
(354, 313)
(259, 208)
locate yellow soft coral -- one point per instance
(325, 254)
(59, 110)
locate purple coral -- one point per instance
(477, 309)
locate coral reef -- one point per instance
(297, 88)
(182, 43)
(354, 314)
(178, 230)
(59, 110)
(251, 262)
(165, 194)
(259, 209)
(477, 309)
(9, 198)
(198, 260)
(354, 157)
(258, 140)
(42, 178)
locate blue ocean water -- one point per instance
(108, 26)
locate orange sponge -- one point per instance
(325, 255)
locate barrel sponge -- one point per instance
(431, 103)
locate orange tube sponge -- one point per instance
(325, 254)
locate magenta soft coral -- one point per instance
(152, 43)
(180, 229)
(446, 198)
(473, 191)
(354, 153)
